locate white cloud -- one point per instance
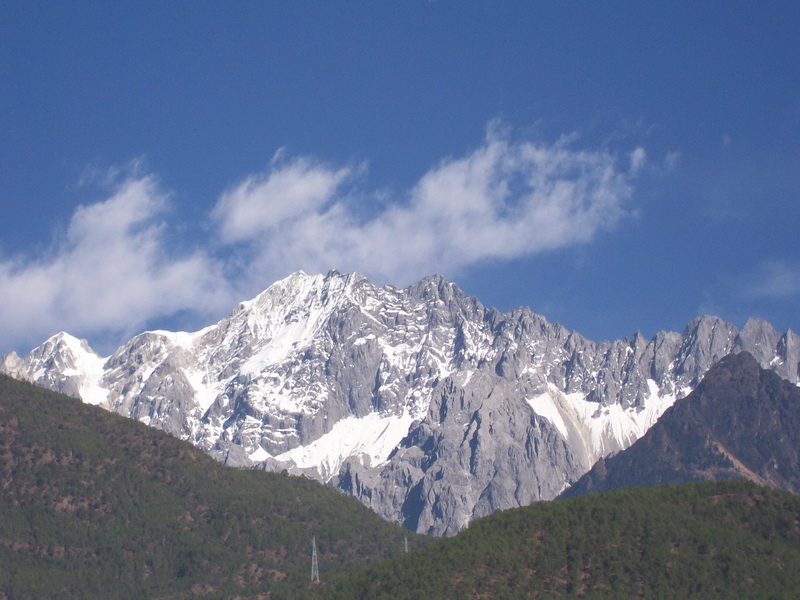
(774, 280)
(113, 272)
(262, 202)
(638, 159)
(116, 267)
(504, 200)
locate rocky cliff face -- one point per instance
(741, 422)
(426, 405)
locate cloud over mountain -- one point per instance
(503, 200)
(117, 266)
(112, 271)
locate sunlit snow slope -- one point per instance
(427, 406)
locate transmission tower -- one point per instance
(314, 563)
(406, 545)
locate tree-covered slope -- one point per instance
(93, 505)
(701, 540)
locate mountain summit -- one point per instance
(429, 407)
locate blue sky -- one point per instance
(616, 166)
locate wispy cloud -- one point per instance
(638, 160)
(116, 268)
(774, 279)
(503, 200)
(268, 201)
(112, 272)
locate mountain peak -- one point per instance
(739, 361)
(706, 324)
(425, 405)
(436, 287)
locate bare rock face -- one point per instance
(741, 422)
(426, 405)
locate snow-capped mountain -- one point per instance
(427, 406)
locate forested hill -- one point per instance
(94, 505)
(728, 539)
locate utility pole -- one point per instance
(314, 563)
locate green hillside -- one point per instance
(700, 540)
(93, 505)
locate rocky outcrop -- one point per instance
(742, 422)
(426, 405)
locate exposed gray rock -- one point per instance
(426, 405)
(741, 422)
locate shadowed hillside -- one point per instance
(742, 422)
(93, 505)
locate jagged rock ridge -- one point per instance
(741, 422)
(426, 405)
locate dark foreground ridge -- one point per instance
(701, 540)
(94, 505)
(742, 422)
